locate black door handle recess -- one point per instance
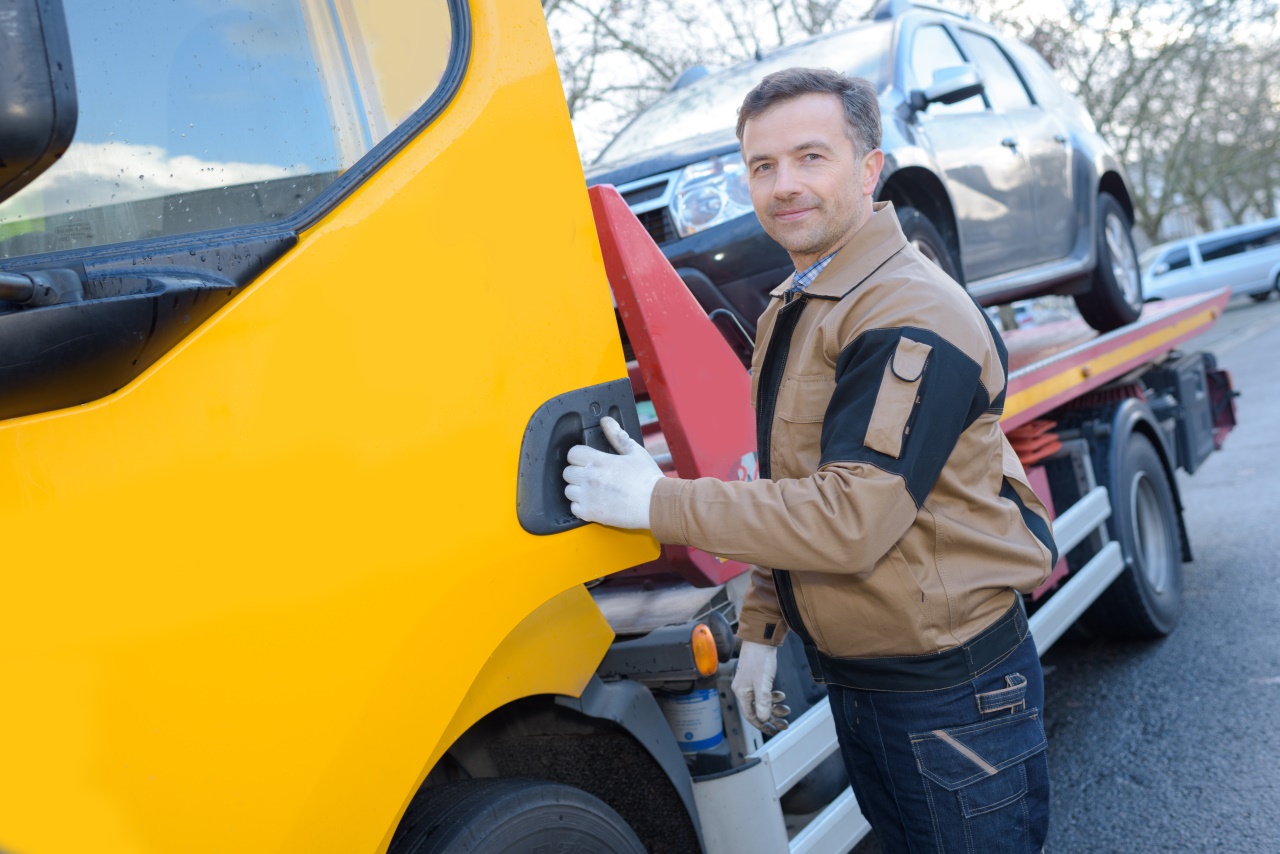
(569, 419)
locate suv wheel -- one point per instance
(922, 234)
(1115, 298)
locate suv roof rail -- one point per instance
(885, 10)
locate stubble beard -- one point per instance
(830, 232)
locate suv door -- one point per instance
(261, 481)
(988, 177)
(1043, 140)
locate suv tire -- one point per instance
(1115, 297)
(924, 236)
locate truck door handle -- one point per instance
(568, 419)
(1009, 143)
(1060, 138)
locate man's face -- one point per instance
(808, 185)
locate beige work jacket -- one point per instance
(891, 517)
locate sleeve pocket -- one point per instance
(897, 398)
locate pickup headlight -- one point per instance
(709, 193)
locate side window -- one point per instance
(1225, 247)
(197, 116)
(1266, 237)
(1004, 87)
(931, 50)
(1176, 260)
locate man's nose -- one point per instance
(786, 182)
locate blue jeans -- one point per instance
(960, 769)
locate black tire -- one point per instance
(1262, 297)
(924, 236)
(1115, 296)
(1146, 598)
(510, 816)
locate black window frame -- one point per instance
(460, 47)
(1009, 60)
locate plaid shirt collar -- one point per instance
(804, 279)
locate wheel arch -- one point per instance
(538, 709)
(1113, 183)
(920, 188)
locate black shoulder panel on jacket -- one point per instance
(942, 400)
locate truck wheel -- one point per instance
(924, 236)
(1145, 599)
(510, 816)
(1115, 296)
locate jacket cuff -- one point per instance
(758, 627)
(666, 511)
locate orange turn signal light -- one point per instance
(705, 657)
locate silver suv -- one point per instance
(996, 172)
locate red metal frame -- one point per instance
(699, 389)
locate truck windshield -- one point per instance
(196, 116)
(711, 104)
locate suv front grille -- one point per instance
(658, 223)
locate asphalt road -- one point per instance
(1174, 745)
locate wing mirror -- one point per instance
(950, 86)
(1160, 269)
(38, 106)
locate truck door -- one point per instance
(986, 174)
(260, 481)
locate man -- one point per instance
(892, 524)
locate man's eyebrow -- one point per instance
(813, 143)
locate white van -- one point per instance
(1245, 258)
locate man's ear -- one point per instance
(872, 163)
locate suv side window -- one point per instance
(1225, 247)
(931, 50)
(1176, 260)
(1004, 87)
(197, 116)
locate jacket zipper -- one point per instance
(772, 370)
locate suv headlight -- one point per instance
(709, 193)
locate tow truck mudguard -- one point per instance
(632, 706)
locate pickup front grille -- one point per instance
(658, 223)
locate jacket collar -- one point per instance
(879, 239)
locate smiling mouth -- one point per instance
(793, 215)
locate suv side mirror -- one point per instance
(38, 106)
(950, 86)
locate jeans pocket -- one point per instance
(978, 777)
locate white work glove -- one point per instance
(753, 686)
(612, 489)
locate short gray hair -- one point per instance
(861, 106)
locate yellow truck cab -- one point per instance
(264, 564)
(302, 304)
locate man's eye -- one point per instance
(812, 156)
(762, 167)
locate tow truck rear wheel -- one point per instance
(1115, 296)
(1145, 599)
(510, 816)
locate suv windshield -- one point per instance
(711, 104)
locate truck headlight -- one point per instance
(709, 193)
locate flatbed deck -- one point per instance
(1052, 364)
